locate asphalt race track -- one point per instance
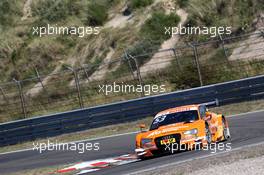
(245, 129)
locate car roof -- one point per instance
(178, 109)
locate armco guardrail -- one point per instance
(52, 125)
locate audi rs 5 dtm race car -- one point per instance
(190, 125)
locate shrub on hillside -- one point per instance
(186, 78)
(154, 28)
(51, 10)
(96, 14)
(237, 14)
(140, 3)
(143, 51)
(8, 10)
(182, 3)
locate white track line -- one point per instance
(85, 140)
(246, 113)
(116, 135)
(191, 159)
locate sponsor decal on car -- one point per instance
(166, 130)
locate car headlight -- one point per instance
(191, 132)
(144, 141)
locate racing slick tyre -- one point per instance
(208, 134)
(226, 135)
(142, 158)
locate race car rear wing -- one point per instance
(212, 103)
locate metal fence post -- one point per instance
(77, 80)
(223, 45)
(77, 84)
(177, 58)
(138, 73)
(38, 77)
(86, 74)
(22, 100)
(129, 64)
(194, 47)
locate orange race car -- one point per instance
(190, 125)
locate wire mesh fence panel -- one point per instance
(183, 66)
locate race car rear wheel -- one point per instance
(208, 134)
(226, 136)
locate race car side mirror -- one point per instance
(208, 116)
(142, 127)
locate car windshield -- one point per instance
(178, 117)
